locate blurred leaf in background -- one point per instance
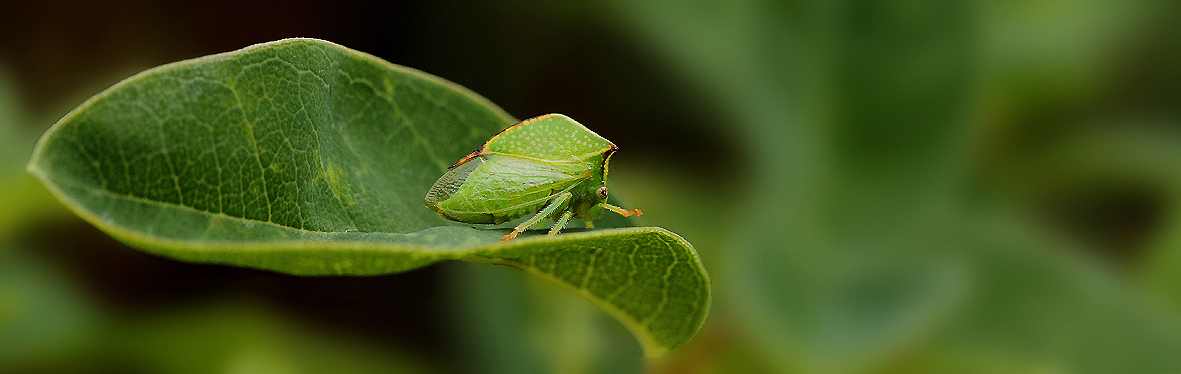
(234, 336)
(872, 242)
(11, 116)
(225, 336)
(22, 202)
(42, 314)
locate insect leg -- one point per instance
(561, 224)
(549, 209)
(621, 211)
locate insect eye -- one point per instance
(602, 192)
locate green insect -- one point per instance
(549, 166)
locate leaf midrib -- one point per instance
(74, 205)
(89, 187)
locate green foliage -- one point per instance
(41, 313)
(304, 157)
(870, 242)
(23, 203)
(235, 336)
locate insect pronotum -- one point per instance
(548, 166)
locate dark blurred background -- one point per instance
(915, 186)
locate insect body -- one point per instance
(548, 166)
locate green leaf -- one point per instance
(851, 144)
(235, 336)
(305, 157)
(24, 203)
(41, 312)
(854, 253)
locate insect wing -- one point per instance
(500, 188)
(448, 184)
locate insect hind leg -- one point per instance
(561, 223)
(549, 209)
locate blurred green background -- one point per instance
(905, 186)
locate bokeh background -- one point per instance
(903, 186)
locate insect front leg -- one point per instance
(621, 211)
(561, 223)
(549, 209)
